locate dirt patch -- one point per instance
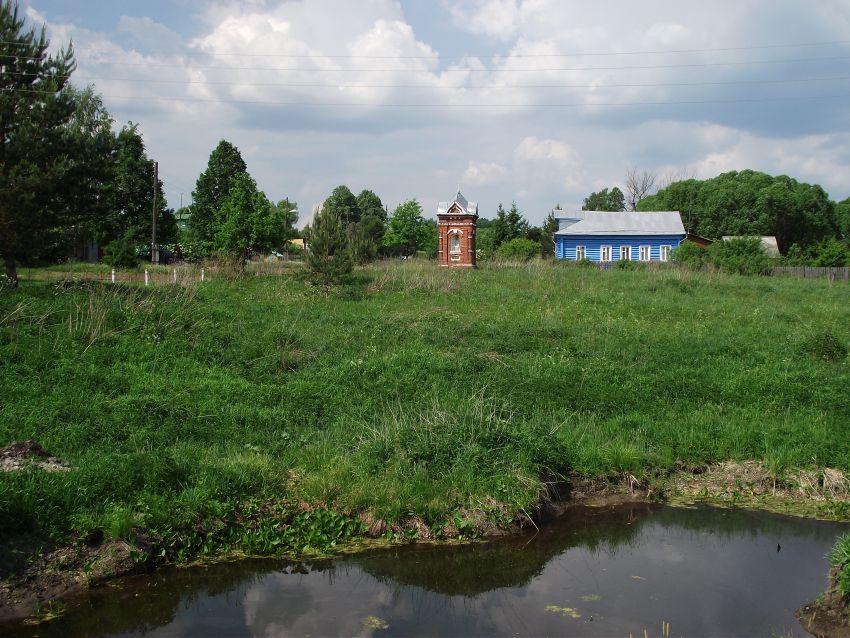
(29, 579)
(18, 456)
(829, 616)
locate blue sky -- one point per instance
(537, 101)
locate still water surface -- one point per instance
(596, 572)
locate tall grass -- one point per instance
(413, 390)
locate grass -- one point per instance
(410, 391)
(840, 557)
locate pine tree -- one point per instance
(328, 257)
(34, 136)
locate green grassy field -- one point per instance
(410, 391)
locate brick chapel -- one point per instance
(456, 228)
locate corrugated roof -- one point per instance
(667, 222)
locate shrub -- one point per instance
(741, 256)
(519, 248)
(690, 255)
(121, 253)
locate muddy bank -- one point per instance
(829, 615)
(33, 578)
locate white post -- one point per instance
(147, 277)
(202, 274)
(113, 275)
(175, 275)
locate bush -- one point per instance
(740, 256)
(832, 254)
(690, 255)
(519, 248)
(121, 253)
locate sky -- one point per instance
(540, 102)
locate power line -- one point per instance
(689, 65)
(141, 98)
(469, 86)
(755, 47)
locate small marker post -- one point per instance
(147, 277)
(113, 275)
(202, 274)
(175, 275)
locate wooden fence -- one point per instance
(812, 272)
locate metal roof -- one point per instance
(466, 206)
(768, 243)
(594, 222)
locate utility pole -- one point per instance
(154, 249)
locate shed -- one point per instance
(768, 243)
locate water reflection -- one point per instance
(595, 572)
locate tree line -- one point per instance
(810, 228)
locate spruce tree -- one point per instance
(213, 186)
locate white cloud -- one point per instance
(532, 149)
(497, 18)
(483, 173)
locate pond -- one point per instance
(595, 572)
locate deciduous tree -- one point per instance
(407, 230)
(639, 184)
(612, 200)
(247, 221)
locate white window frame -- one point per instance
(454, 237)
(606, 251)
(581, 253)
(666, 249)
(645, 253)
(627, 251)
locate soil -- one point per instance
(31, 578)
(18, 456)
(829, 616)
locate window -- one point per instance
(665, 253)
(454, 243)
(605, 253)
(581, 253)
(625, 253)
(645, 253)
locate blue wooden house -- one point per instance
(600, 236)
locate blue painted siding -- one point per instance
(565, 245)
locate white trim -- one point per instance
(602, 250)
(627, 250)
(583, 250)
(662, 256)
(645, 252)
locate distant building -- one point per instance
(182, 216)
(768, 243)
(601, 237)
(456, 232)
(702, 242)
